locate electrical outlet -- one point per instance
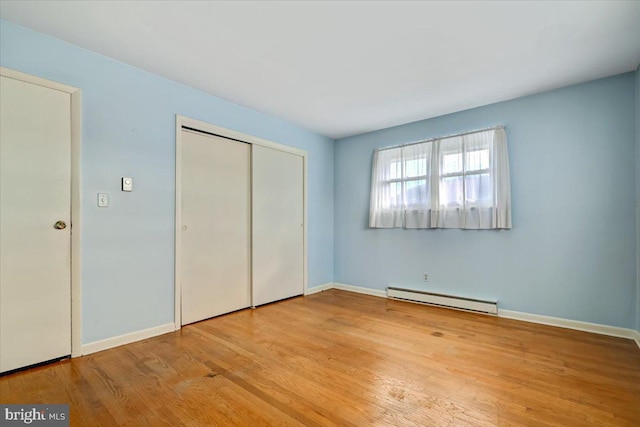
(425, 277)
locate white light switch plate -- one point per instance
(127, 184)
(103, 200)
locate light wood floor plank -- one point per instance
(337, 358)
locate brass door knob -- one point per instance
(60, 225)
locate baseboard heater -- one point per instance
(449, 301)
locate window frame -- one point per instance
(470, 190)
(464, 172)
(403, 181)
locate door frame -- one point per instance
(76, 198)
(183, 121)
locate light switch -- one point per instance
(127, 184)
(103, 200)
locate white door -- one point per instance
(35, 256)
(216, 226)
(278, 228)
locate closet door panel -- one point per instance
(216, 226)
(278, 228)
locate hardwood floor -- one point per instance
(343, 359)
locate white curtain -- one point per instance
(454, 182)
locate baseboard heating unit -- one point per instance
(450, 301)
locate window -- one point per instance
(460, 181)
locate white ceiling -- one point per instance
(344, 68)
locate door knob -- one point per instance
(60, 225)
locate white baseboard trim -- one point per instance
(595, 328)
(318, 288)
(360, 290)
(637, 338)
(129, 338)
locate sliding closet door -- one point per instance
(278, 229)
(216, 226)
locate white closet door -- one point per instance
(216, 226)
(35, 194)
(278, 229)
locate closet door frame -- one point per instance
(187, 122)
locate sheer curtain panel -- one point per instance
(460, 181)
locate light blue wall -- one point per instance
(572, 250)
(129, 130)
(638, 198)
